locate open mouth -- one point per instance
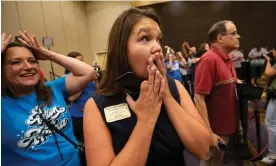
(27, 75)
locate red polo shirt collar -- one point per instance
(224, 56)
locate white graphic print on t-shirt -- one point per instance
(38, 131)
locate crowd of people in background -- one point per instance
(186, 99)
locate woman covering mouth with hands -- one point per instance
(28, 104)
(153, 127)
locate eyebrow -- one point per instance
(12, 59)
(148, 30)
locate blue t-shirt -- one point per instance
(28, 141)
(76, 108)
(174, 72)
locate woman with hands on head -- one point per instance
(28, 104)
(151, 128)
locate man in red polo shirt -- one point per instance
(215, 88)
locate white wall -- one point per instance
(101, 16)
(65, 21)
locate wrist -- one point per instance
(167, 98)
(51, 55)
(147, 124)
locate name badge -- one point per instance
(116, 112)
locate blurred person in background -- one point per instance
(257, 62)
(270, 117)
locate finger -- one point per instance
(217, 147)
(151, 70)
(162, 88)
(160, 65)
(143, 89)
(35, 41)
(131, 102)
(162, 61)
(3, 37)
(32, 40)
(221, 140)
(150, 60)
(9, 38)
(23, 42)
(28, 37)
(157, 82)
(24, 37)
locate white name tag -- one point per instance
(116, 112)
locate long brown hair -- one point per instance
(117, 61)
(43, 93)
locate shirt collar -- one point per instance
(224, 56)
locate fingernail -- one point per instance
(152, 68)
(127, 94)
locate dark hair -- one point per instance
(117, 61)
(201, 50)
(72, 54)
(216, 29)
(43, 93)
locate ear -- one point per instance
(219, 38)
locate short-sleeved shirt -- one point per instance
(216, 78)
(237, 57)
(28, 141)
(76, 107)
(257, 55)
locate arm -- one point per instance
(183, 62)
(188, 123)
(184, 51)
(204, 82)
(202, 109)
(235, 58)
(169, 66)
(98, 141)
(269, 70)
(250, 55)
(82, 73)
(74, 97)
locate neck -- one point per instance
(222, 49)
(23, 91)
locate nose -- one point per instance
(27, 65)
(238, 36)
(156, 47)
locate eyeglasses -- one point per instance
(235, 33)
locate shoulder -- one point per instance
(209, 56)
(59, 81)
(253, 49)
(208, 59)
(97, 98)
